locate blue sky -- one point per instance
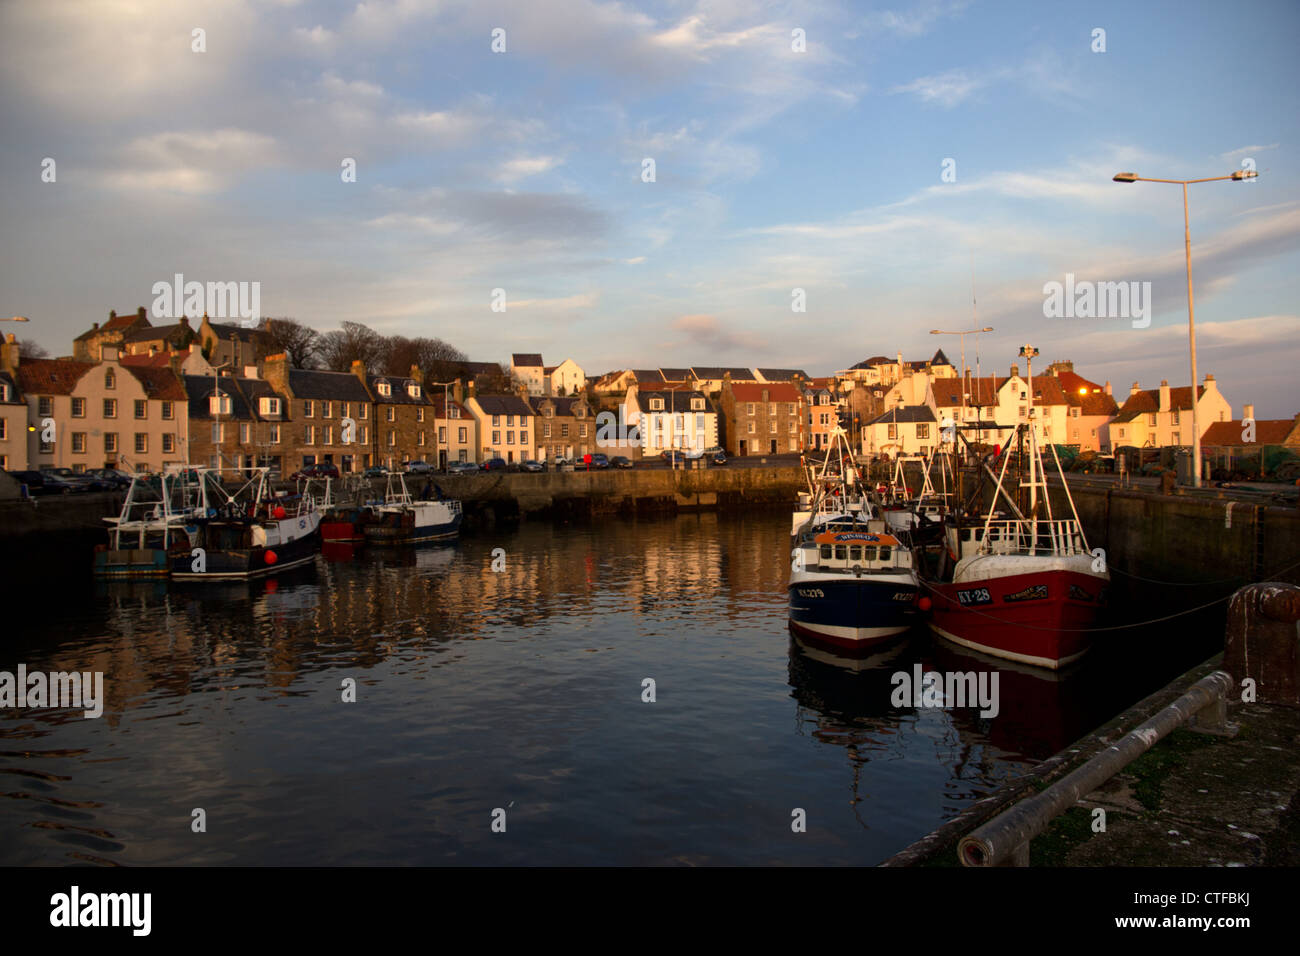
(775, 170)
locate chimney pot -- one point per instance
(1248, 411)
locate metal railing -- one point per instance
(1004, 840)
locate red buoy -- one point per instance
(279, 513)
(924, 604)
(272, 557)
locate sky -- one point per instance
(908, 166)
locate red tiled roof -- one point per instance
(1093, 400)
(984, 390)
(159, 383)
(776, 392)
(51, 376)
(1271, 431)
(157, 360)
(1147, 400)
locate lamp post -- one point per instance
(446, 414)
(16, 318)
(1238, 176)
(216, 393)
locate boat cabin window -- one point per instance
(884, 552)
(840, 552)
(855, 552)
(826, 551)
(870, 554)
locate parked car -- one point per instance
(118, 480)
(80, 481)
(374, 471)
(322, 469)
(714, 450)
(719, 459)
(621, 461)
(599, 461)
(694, 453)
(494, 464)
(419, 468)
(461, 467)
(43, 483)
(672, 456)
(531, 465)
(561, 460)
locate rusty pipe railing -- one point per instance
(1004, 840)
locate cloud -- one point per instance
(522, 167)
(945, 89)
(1244, 151)
(915, 22)
(196, 162)
(707, 332)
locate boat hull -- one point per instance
(290, 543)
(130, 563)
(418, 523)
(851, 613)
(1039, 617)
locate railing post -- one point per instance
(1263, 642)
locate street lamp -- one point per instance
(446, 414)
(963, 334)
(1237, 176)
(16, 318)
(216, 393)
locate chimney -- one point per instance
(185, 320)
(94, 326)
(9, 355)
(275, 369)
(359, 370)
(174, 361)
(112, 314)
(1015, 371)
(417, 374)
(1134, 388)
(1210, 385)
(458, 390)
(140, 312)
(108, 353)
(1107, 388)
(1164, 395)
(1247, 411)
(250, 371)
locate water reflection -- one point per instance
(480, 688)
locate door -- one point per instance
(773, 452)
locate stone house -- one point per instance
(564, 426)
(763, 418)
(505, 427)
(327, 417)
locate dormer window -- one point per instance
(697, 404)
(656, 404)
(413, 390)
(270, 406)
(219, 404)
(4, 391)
(384, 389)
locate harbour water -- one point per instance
(520, 689)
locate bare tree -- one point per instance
(32, 350)
(354, 342)
(499, 380)
(299, 342)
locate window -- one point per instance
(419, 439)
(365, 412)
(791, 404)
(751, 428)
(392, 438)
(270, 406)
(923, 430)
(496, 421)
(546, 430)
(110, 378)
(454, 412)
(218, 433)
(749, 408)
(1151, 420)
(4, 391)
(419, 414)
(384, 389)
(413, 390)
(78, 408)
(45, 406)
(46, 447)
(893, 433)
(309, 433)
(794, 425)
(243, 433)
(329, 434)
(169, 444)
(442, 434)
(275, 434)
(325, 409)
(510, 438)
(347, 409)
(771, 426)
(461, 437)
(4, 462)
(510, 420)
(364, 433)
(110, 443)
(168, 411)
(582, 432)
(564, 431)
(697, 404)
(78, 443)
(1121, 433)
(1175, 419)
(110, 408)
(308, 409)
(656, 404)
(1176, 441)
(496, 438)
(141, 443)
(217, 404)
(699, 423)
(141, 408)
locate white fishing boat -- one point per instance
(401, 519)
(157, 508)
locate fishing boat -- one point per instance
(156, 509)
(852, 582)
(342, 522)
(1020, 584)
(247, 534)
(401, 519)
